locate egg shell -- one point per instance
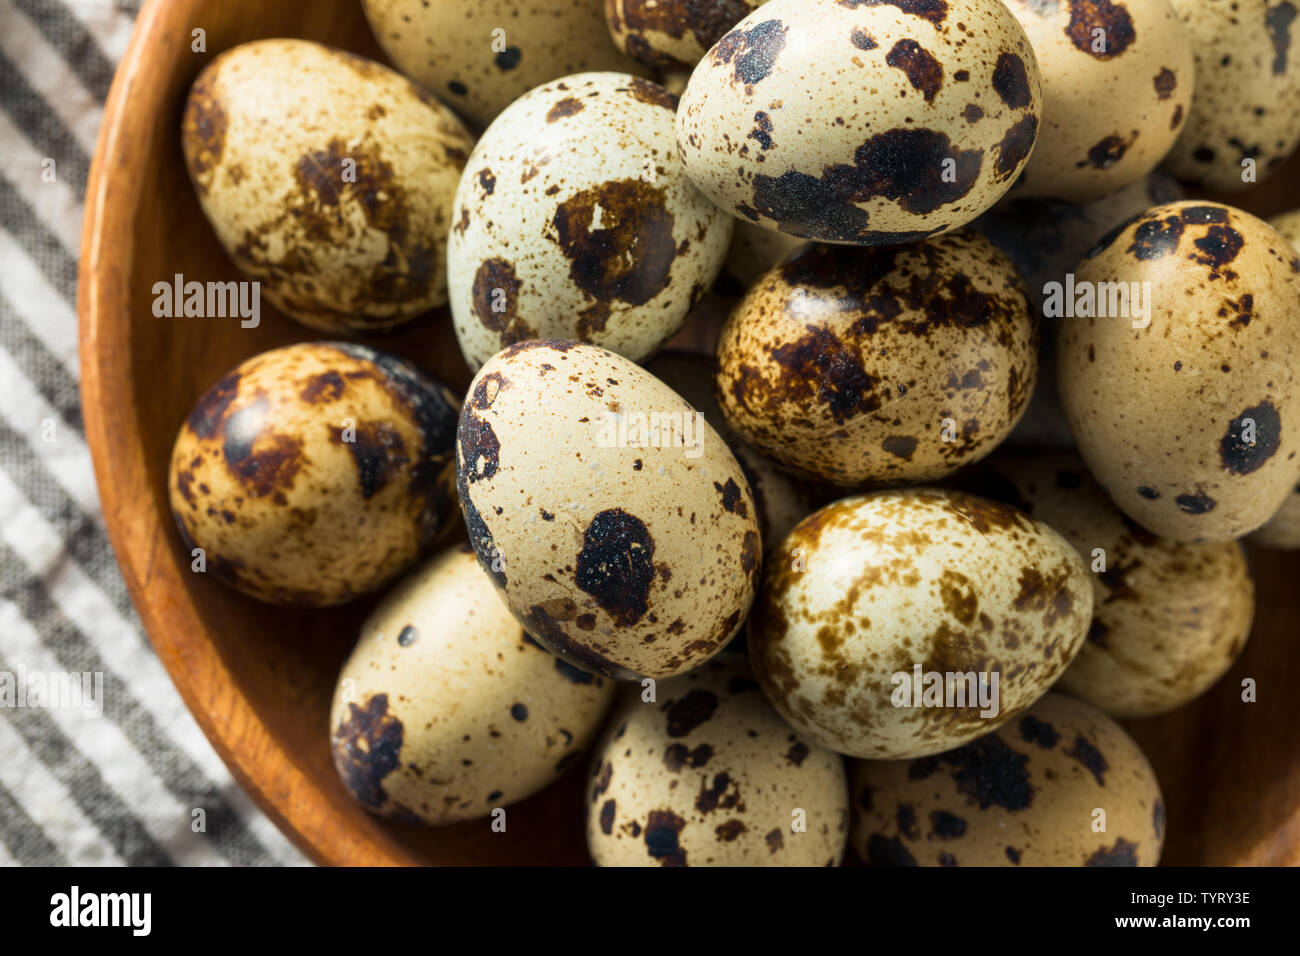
(315, 473)
(1161, 413)
(861, 365)
(1025, 795)
(707, 774)
(1045, 239)
(482, 55)
(342, 214)
(781, 498)
(672, 35)
(1117, 85)
(1169, 618)
(575, 220)
(1247, 100)
(447, 710)
(864, 124)
(871, 587)
(625, 560)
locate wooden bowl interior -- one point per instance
(259, 678)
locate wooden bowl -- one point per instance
(258, 679)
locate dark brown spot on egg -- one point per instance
(922, 70)
(689, 712)
(652, 94)
(1123, 853)
(1150, 494)
(990, 773)
(797, 753)
(1011, 81)
(661, 838)
(1241, 457)
(676, 756)
(1090, 757)
(900, 446)
(752, 53)
(1278, 20)
(774, 840)
(931, 10)
(820, 365)
(1217, 247)
(207, 416)
(1107, 152)
(1156, 238)
(203, 131)
(888, 851)
(1035, 731)
(1165, 82)
(264, 462)
(480, 536)
(1015, 145)
(494, 296)
(862, 40)
(323, 388)
(607, 817)
(732, 500)
(1196, 503)
(729, 831)
(569, 106)
(367, 747)
(947, 826)
(1100, 28)
(508, 58)
(707, 21)
(377, 451)
(762, 131)
(479, 447)
(616, 565)
(721, 794)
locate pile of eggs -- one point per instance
(962, 482)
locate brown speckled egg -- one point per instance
(880, 365)
(315, 473)
(614, 519)
(576, 220)
(671, 35)
(1117, 85)
(1247, 102)
(1061, 785)
(781, 498)
(328, 178)
(1045, 239)
(447, 710)
(1169, 618)
(862, 123)
(1191, 420)
(707, 774)
(482, 55)
(884, 617)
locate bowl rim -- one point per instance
(279, 787)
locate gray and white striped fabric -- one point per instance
(126, 786)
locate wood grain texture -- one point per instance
(258, 679)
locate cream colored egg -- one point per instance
(481, 55)
(707, 774)
(1187, 408)
(315, 473)
(671, 35)
(1045, 239)
(576, 220)
(880, 365)
(906, 623)
(328, 179)
(614, 519)
(446, 710)
(1169, 618)
(1026, 795)
(781, 498)
(1246, 109)
(1117, 86)
(864, 124)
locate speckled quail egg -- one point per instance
(862, 123)
(1169, 618)
(1061, 785)
(781, 498)
(905, 623)
(1187, 407)
(447, 710)
(671, 35)
(754, 250)
(482, 55)
(895, 364)
(1117, 85)
(1045, 239)
(707, 774)
(315, 473)
(575, 220)
(1247, 100)
(615, 520)
(328, 178)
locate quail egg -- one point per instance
(905, 623)
(1060, 785)
(706, 774)
(1169, 618)
(482, 55)
(614, 519)
(1245, 115)
(1117, 85)
(1179, 365)
(857, 365)
(862, 123)
(328, 179)
(575, 220)
(314, 473)
(446, 710)
(671, 35)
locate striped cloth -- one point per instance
(138, 784)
